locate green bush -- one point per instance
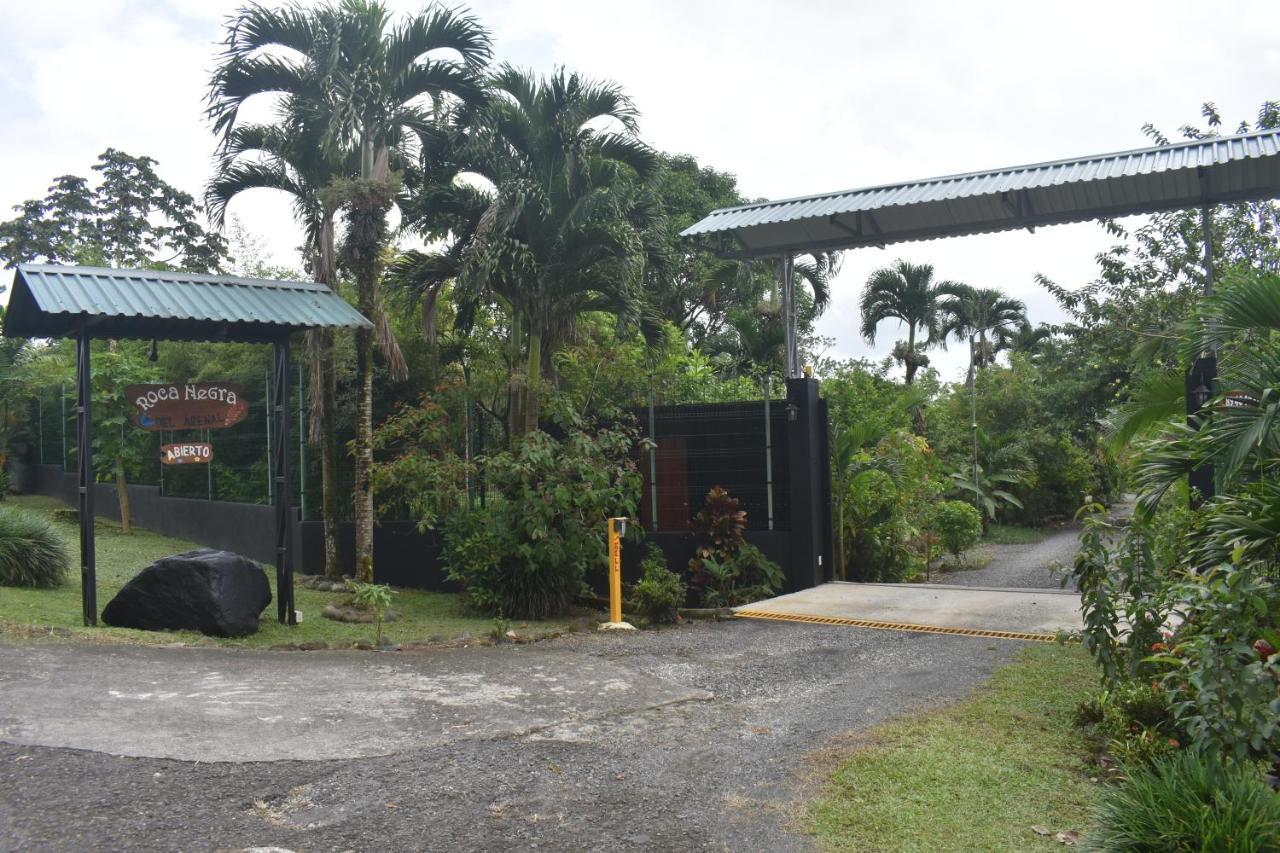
(1184, 803)
(958, 525)
(1132, 722)
(660, 592)
(4, 482)
(525, 556)
(745, 577)
(31, 551)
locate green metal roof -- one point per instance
(52, 301)
(1183, 175)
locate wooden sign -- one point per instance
(199, 453)
(190, 405)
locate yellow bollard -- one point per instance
(617, 527)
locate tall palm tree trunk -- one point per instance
(533, 379)
(367, 202)
(329, 455)
(363, 490)
(911, 353)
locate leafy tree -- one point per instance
(696, 290)
(364, 83)
(905, 292)
(129, 218)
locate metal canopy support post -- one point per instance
(280, 458)
(789, 317)
(1202, 377)
(302, 447)
(84, 439)
(62, 407)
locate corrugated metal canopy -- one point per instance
(1146, 180)
(50, 302)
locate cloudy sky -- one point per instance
(792, 97)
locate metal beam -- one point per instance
(285, 610)
(84, 443)
(1020, 207)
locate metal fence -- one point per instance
(242, 454)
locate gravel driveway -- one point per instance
(724, 770)
(1022, 566)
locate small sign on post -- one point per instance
(197, 453)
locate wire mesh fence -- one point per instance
(689, 448)
(241, 465)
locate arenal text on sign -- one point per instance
(187, 405)
(197, 453)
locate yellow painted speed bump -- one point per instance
(896, 626)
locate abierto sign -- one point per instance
(199, 453)
(187, 405)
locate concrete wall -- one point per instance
(247, 529)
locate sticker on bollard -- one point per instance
(200, 453)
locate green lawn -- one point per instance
(1012, 534)
(976, 776)
(425, 616)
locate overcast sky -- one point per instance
(793, 98)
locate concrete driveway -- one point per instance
(1015, 614)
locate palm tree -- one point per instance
(290, 159)
(1028, 339)
(364, 83)
(905, 292)
(974, 314)
(563, 234)
(444, 209)
(982, 316)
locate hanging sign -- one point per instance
(190, 405)
(200, 453)
(1239, 400)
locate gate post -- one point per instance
(84, 440)
(810, 486)
(285, 611)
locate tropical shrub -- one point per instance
(375, 597)
(882, 482)
(416, 472)
(1188, 802)
(1223, 676)
(659, 593)
(958, 525)
(525, 556)
(1131, 723)
(741, 578)
(726, 569)
(719, 526)
(31, 551)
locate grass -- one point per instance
(976, 776)
(424, 616)
(1012, 534)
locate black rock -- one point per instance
(214, 592)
